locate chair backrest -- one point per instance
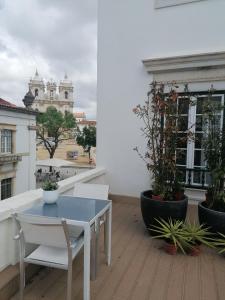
(43, 230)
(94, 191)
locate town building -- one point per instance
(49, 94)
(162, 40)
(82, 120)
(17, 149)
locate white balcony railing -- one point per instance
(8, 247)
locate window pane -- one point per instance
(183, 123)
(199, 158)
(183, 106)
(6, 188)
(198, 140)
(199, 123)
(6, 141)
(200, 105)
(181, 157)
(182, 140)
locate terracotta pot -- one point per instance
(170, 249)
(195, 250)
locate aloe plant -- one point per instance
(197, 234)
(172, 232)
(220, 243)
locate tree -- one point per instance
(53, 127)
(87, 138)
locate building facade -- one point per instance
(82, 120)
(162, 40)
(49, 94)
(17, 149)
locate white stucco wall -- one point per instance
(128, 32)
(25, 144)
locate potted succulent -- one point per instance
(220, 243)
(50, 191)
(163, 131)
(212, 210)
(196, 235)
(172, 232)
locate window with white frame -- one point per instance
(6, 140)
(167, 3)
(189, 151)
(6, 188)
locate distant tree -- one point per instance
(53, 127)
(87, 138)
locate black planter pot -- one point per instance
(213, 219)
(151, 209)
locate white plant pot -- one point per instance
(50, 197)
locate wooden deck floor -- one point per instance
(140, 269)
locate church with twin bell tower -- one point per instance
(49, 94)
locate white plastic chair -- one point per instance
(56, 249)
(100, 192)
(91, 190)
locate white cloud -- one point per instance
(54, 36)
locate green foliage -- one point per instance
(183, 235)
(162, 118)
(172, 232)
(87, 138)
(220, 243)
(214, 151)
(54, 127)
(50, 185)
(197, 234)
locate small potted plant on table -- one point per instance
(50, 192)
(164, 131)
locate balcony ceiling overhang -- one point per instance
(188, 68)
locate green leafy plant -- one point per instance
(49, 185)
(197, 234)
(220, 243)
(163, 130)
(172, 232)
(214, 151)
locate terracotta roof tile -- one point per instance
(6, 103)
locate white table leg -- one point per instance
(95, 250)
(108, 229)
(87, 245)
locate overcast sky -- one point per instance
(54, 36)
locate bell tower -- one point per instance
(37, 87)
(66, 89)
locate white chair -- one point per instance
(56, 249)
(93, 191)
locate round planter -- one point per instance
(50, 197)
(152, 209)
(213, 219)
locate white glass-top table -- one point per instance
(86, 212)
